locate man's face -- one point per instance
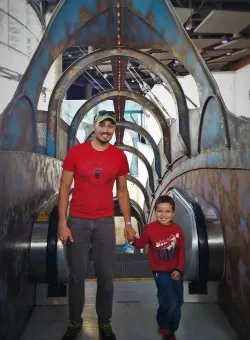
(104, 131)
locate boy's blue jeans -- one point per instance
(170, 297)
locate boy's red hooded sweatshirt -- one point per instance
(166, 251)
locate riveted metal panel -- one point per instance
(213, 129)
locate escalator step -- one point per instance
(127, 266)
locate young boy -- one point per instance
(166, 255)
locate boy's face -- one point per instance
(164, 213)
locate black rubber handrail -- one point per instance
(203, 255)
(52, 272)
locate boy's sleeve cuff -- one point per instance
(178, 270)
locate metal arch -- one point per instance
(175, 36)
(225, 120)
(145, 102)
(77, 68)
(136, 152)
(141, 187)
(35, 5)
(144, 133)
(137, 208)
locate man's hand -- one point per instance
(129, 232)
(64, 234)
(175, 275)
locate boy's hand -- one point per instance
(129, 233)
(175, 275)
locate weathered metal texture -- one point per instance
(137, 153)
(194, 127)
(119, 68)
(225, 159)
(27, 182)
(149, 15)
(18, 130)
(51, 46)
(119, 105)
(214, 133)
(239, 128)
(77, 68)
(144, 133)
(178, 148)
(109, 94)
(135, 32)
(162, 17)
(141, 187)
(228, 190)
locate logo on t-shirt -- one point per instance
(166, 249)
(97, 172)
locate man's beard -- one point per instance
(102, 141)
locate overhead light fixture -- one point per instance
(132, 81)
(229, 53)
(105, 75)
(176, 62)
(189, 26)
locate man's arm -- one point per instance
(123, 198)
(63, 201)
(124, 202)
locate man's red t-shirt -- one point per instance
(166, 248)
(94, 175)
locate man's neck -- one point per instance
(97, 145)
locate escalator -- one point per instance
(135, 301)
(203, 237)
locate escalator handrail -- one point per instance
(52, 271)
(203, 254)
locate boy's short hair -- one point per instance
(165, 199)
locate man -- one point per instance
(94, 166)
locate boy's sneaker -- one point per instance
(106, 332)
(74, 329)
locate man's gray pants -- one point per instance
(98, 235)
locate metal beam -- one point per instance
(138, 210)
(109, 94)
(137, 153)
(77, 68)
(141, 187)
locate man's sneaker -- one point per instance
(106, 332)
(73, 330)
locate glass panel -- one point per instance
(3, 27)
(33, 23)
(17, 36)
(4, 5)
(32, 44)
(18, 10)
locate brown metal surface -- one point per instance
(228, 190)
(27, 182)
